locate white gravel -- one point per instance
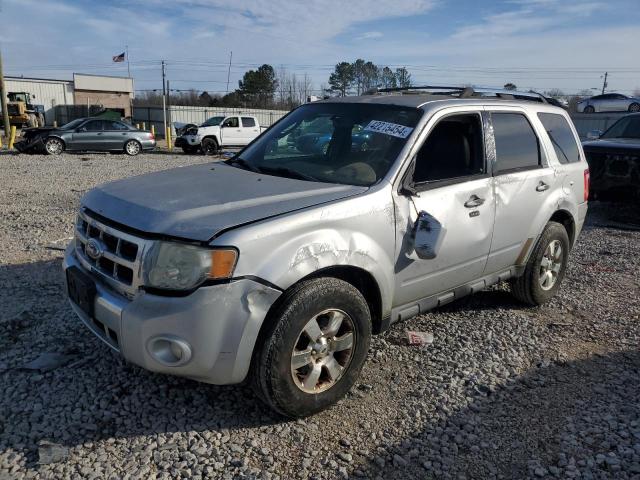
(503, 392)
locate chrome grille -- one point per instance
(119, 262)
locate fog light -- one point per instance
(170, 351)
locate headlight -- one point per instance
(177, 266)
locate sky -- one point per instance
(539, 44)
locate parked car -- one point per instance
(609, 102)
(218, 132)
(88, 134)
(277, 265)
(614, 157)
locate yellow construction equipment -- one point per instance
(22, 112)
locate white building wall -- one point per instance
(47, 92)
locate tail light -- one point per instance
(152, 136)
(586, 184)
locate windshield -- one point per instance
(213, 121)
(72, 124)
(352, 144)
(627, 127)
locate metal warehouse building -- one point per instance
(83, 91)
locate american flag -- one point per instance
(119, 58)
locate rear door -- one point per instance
(88, 136)
(115, 135)
(455, 188)
(522, 180)
(250, 129)
(231, 132)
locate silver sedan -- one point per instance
(609, 102)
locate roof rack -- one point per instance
(465, 92)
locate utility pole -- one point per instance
(164, 100)
(229, 70)
(169, 105)
(3, 94)
(605, 84)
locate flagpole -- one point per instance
(126, 49)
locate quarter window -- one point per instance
(453, 149)
(517, 146)
(561, 136)
(248, 122)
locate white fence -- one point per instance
(183, 114)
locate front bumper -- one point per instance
(219, 323)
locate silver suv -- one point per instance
(277, 265)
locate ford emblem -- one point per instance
(94, 249)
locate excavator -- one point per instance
(23, 112)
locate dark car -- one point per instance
(88, 134)
(614, 157)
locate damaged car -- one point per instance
(614, 158)
(87, 134)
(276, 266)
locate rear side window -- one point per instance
(516, 143)
(115, 126)
(561, 137)
(248, 122)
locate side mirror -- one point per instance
(428, 233)
(594, 134)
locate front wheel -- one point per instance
(589, 109)
(54, 146)
(634, 107)
(209, 146)
(546, 267)
(315, 349)
(132, 148)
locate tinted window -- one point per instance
(453, 149)
(115, 126)
(93, 126)
(248, 122)
(626, 127)
(516, 142)
(231, 122)
(561, 137)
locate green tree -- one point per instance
(342, 78)
(403, 77)
(387, 78)
(257, 87)
(510, 86)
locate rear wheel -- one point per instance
(589, 109)
(210, 146)
(132, 147)
(32, 120)
(546, 267)
(634, 107)
(54, 146)
(315, 349)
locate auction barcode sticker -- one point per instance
(387, 128)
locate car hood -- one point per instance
(612, 143)
(200, 201)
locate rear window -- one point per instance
(248, 122)
(516, 143)
(561, 137)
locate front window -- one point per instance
(352, 144)
(627, 127)
(212, 122)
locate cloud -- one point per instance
(369, 35)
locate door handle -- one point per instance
(542, 187)
(99, 133)
(474, 201)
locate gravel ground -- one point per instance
(503, 392)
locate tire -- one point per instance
(210, 146)
(32, 121)
(336, 356)
(634, 107)
(132, 148)
(546, 267)
(589, 109)
(54, 146)
(40, 120)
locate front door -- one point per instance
(88, 136)
(523, 179)
(454, 188)
(231, 132)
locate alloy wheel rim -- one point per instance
(550, 265)
(323, 351)
(54, 147)
(133, 148)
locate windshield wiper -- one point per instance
(242, 163)
(287, 172)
